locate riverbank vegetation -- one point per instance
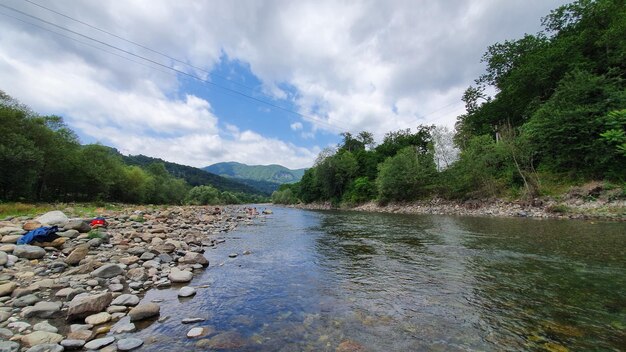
(41, 160)
(557, 119)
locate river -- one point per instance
(322, 280)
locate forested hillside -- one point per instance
(266, 178)
(42, 160)
(558, 117)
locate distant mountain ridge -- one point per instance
(267, 177)
(197, 177)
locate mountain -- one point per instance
(266, 177)
(197, 177)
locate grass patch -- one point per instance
(94, 234)
(14, 209)
(559, 209)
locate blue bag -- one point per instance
(42, 234)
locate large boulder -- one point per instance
(107, 271)
(53, 218)
(144, 311)
(81, 307)
(29, 252)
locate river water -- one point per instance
(351, 281)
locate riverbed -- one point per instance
(355, 281)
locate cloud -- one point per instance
(352, 66)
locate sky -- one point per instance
(258, 82)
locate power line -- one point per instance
(140, 45)
(306, 117)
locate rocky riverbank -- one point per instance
(66, 294)
(614, 210)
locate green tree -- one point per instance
(406, 176)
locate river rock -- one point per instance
(7, 289)
(144, 311)
(52, 218)
(45, 326)
(79, 253)
(4, 258)
(41, 337)
(99, 343)
(124, 328)
(229, 340)
(72, 344)
(129, 344)
(194, 258)
(192, 320)
(47, 347)
(186, 291)
(177, 275)
(126, 300)
(11, 231)
(29, 252)
(7, 247)
(81, 307)
(9, 346)
(42, 310)
(350, 346)
(129, 260)
(83, 335)
(107, 271)
(25, 301)
(31, 225)
(79, 225)
(5, 334)
(196, 332)
(98, 318)
(68, 234)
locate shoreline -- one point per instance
(71, 292)
(545, 208)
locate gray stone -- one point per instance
(99, 343)
(147, 256)
(4, 316)
(5, 333)
(129, 344)
(9, 346)
(177, 275)
(4, 258)
(79, 225)
(195, 332)
(98, 318)
(186, 291)
(11, 231)
(26, 301)
(68, 233)
(107, 271)
(45, 326)
(130, 327)
(47, 347)
(116, 287)
(29, 252)
(81, 307)
(144, 311)
(126, 300)
(192, 320)
(72, 344)
(55, 217)
(42, 310)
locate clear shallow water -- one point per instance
(405, 283)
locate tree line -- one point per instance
(558, 117)
(41, 159)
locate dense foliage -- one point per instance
(558, 113)
(42, 160)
